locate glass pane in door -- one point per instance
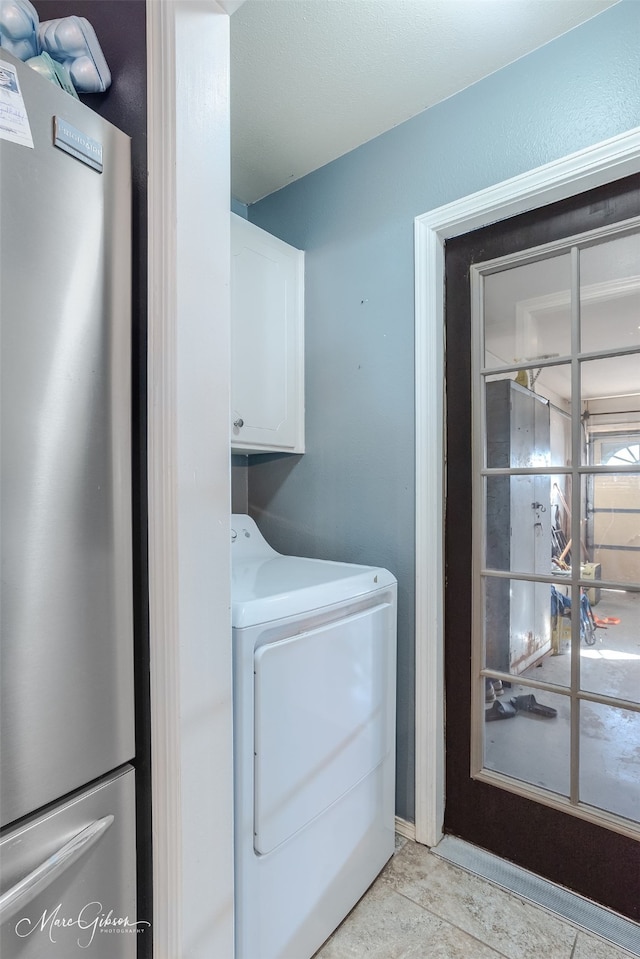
(611, 665)
(517, 617)
(533, 744)
(517, 426)
(527, 312)
(610, 294)
(526, 502)
(609, 764)
(610, 390)
(611, 506)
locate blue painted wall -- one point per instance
(241, 209)
(351, 496)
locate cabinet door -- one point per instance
(267, 341)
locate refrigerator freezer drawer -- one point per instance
(85, 905)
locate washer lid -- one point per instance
(266, 586)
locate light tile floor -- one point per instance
(422, 907)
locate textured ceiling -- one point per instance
(312, 79)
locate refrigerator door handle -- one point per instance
(43, 875)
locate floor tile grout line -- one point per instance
(577, 923)
(454, 925)
(573, 924)
(386, 885)
(515, 896)
(575, 944)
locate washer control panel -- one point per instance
(247, 540)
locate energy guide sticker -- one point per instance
(14, 122)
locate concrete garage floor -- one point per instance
(536, 749)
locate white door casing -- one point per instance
(589, 168)
(189, 478)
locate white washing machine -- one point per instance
(314, 646)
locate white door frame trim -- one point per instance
(589, 168)
(162, 492)
(188, 363)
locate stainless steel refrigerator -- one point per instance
(67, 846)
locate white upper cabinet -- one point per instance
(267, 342)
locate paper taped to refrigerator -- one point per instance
(14, 122)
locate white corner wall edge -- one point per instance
(589, 168)
(189, 481)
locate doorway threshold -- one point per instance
(575, 909)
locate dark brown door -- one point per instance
(564, 845)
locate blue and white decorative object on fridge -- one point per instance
(72, 41)
(19, 28)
